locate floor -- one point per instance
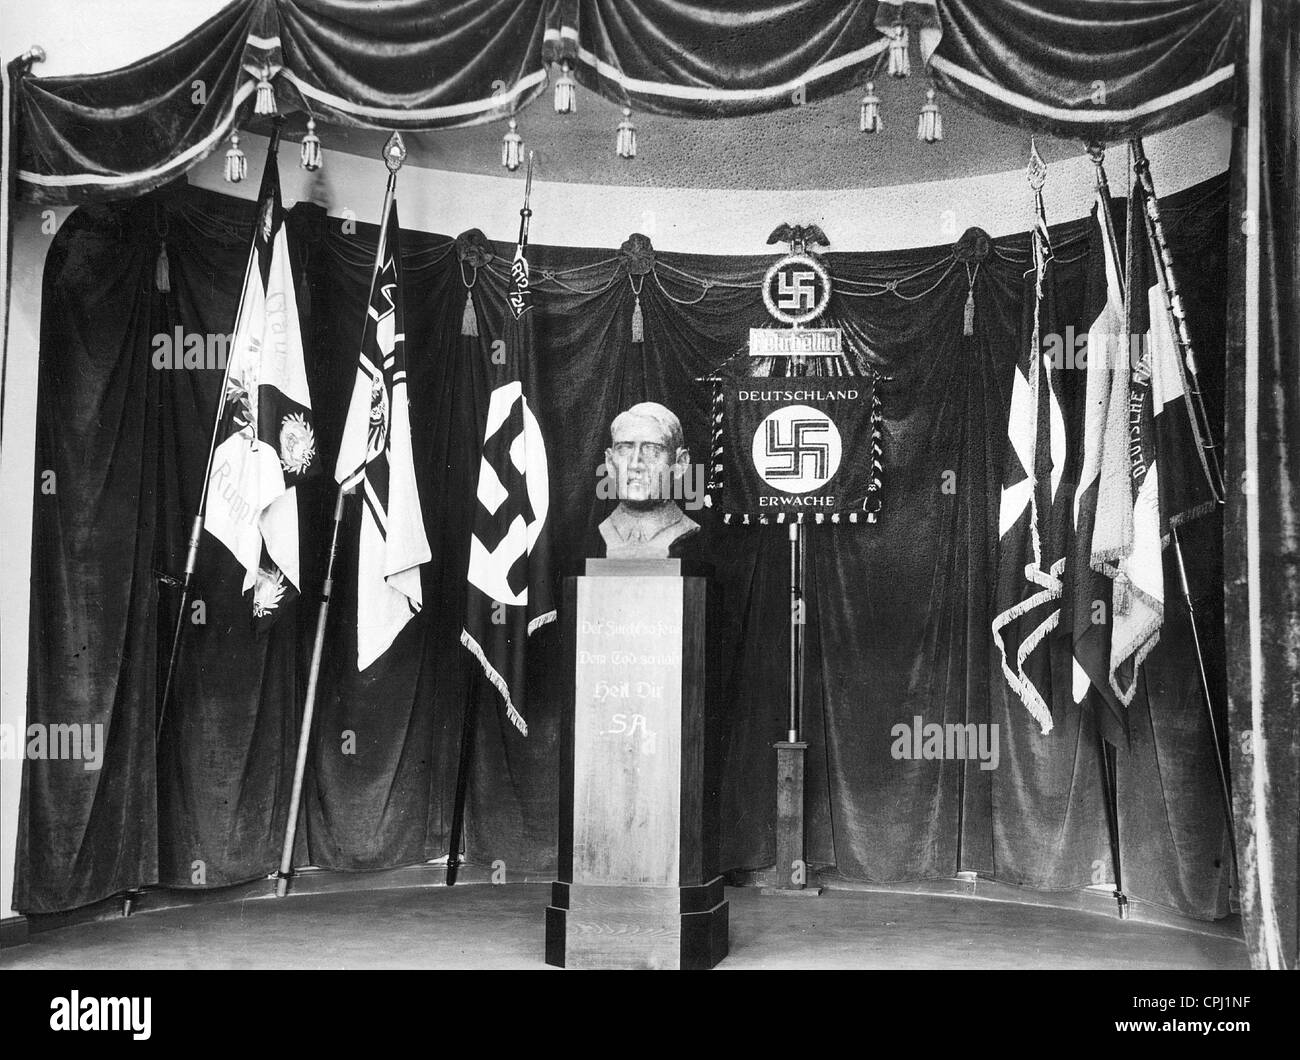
(481, 926)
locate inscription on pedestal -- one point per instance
(627, 724)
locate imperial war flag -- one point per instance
(375, 459)
(508, 592)
(266, 444)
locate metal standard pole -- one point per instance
(1106, 753)
(196, 528)
(796, 631)
(1221, 767)
(309, 708)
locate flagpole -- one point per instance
(394, 155)
(1221, 768)
(470, 721)
(309, 708)
(1208, 454)
(196, 527)
(1164, 263)
(1106, 753)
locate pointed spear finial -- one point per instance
(394, 152)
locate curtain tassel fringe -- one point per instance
(162, 273)
(566, 91)
(869, 118)
(309, 156)
(512, 147)
(236, 162)
(265, 103)
(469, 319)
(638, 322)
(929, 126)
(968, 322)
(625, 141)
(900, 65)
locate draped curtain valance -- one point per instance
(1102, 68)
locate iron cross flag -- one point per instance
(266, 444)
(796, 448)
(375, 457)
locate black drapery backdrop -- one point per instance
(1263, 402)
(1107, 69)
(898, 623)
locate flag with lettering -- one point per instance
(375, 459)
(1150, 481)
(1103, 432)
(266, 443)
(796, 449)
(508, 592)
(1033, 508)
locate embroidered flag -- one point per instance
(375, 458)
(267, 444)
(795, 449)
(1034, 510)
(1148, 483)
(1105, 401)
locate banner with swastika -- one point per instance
(795, 449)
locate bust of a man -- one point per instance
(645, 461)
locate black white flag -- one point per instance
(375, 458)
(266, 442)
(509, 579)
(1033, 510)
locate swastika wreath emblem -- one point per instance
(797, 289)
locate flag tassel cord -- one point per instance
(196, 527)
(309, 706)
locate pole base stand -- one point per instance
(282, 883)
(1121, 900)
(968, 881)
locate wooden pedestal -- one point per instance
(638, 884)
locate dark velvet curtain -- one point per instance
(1261, 534)
(1077, 68)
(898, 620)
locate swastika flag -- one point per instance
(790, 449)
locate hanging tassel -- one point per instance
(835, 518)
(638, 322)
(853, 517)
(968, 321)
(566, 91)
(625, 142)
(512, 147)
(309, 157)
(265, 103)
(780, 518)
(929, 126)
(236, 163)
(869, 119)
(900, 65)
(726, 519)
(162, 273)
(469, 319)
